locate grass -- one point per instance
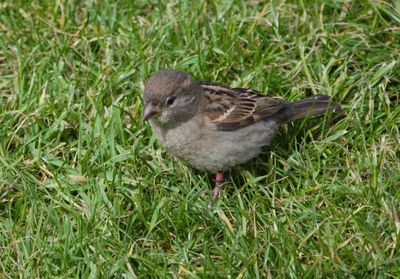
(87, 192)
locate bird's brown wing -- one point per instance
(233, 108)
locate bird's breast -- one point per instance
(205, 148)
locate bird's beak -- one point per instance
(149, 111)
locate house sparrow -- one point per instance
(214, 127)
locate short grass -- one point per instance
(86, 191)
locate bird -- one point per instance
(214, 127)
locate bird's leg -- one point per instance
(219, 180)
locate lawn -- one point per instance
(87, 192)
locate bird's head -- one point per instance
(170, 98)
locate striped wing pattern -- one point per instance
(233, 108)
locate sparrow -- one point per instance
(214, 127)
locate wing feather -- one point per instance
(233, 108)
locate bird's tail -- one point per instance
(308, 107)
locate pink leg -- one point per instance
(219, 180)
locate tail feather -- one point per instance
(308, 107)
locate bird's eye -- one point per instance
(170, 100)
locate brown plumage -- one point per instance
(233, 108)
(215, 127)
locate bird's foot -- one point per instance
(219, 180)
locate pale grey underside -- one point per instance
(202, 146)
